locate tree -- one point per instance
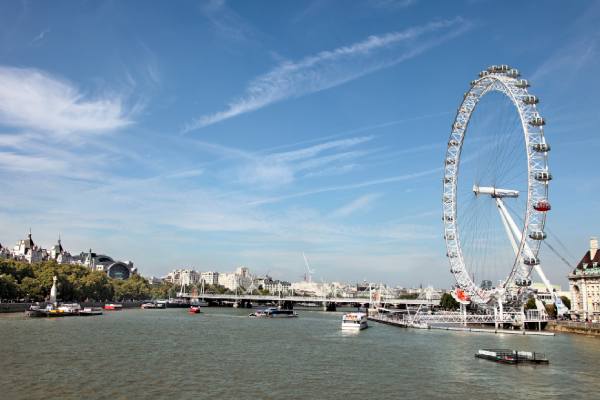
(566, 301)
(447, 302)
(8, 287)
(530, 305)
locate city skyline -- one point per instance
(243, 138)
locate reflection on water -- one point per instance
(140, 354)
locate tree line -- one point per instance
(20, 281)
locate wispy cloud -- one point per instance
(40, 36)
(281, 168)
(33, 99)
(225, 21)
(350, 186)
(331, 68)
(358, 204)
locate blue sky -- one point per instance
(215, 134)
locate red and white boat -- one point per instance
(113, 307)
(194, 310)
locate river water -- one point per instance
(223, 354)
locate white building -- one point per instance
(210, 277)
(584, 283)
(183, 277)
(240, 279)
(59, 254)
(26, 250)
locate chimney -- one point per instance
(593, 247)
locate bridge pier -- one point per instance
(329, 306)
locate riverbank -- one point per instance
(580, 328)
(22, 307)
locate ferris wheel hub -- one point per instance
(494, 192)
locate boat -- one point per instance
(273, 312)
(113, 307)
(177, 303)
(507, 356)
(35, 312)
(194, 310)
(90, 311)
(153, 306)
(199, 303)
(355, 321)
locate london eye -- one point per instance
(495, 188)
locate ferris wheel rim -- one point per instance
(505, 80)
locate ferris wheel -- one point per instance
(495, 195)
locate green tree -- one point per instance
(530, 305)
(447, 302)
(8, 287)
(566, 301)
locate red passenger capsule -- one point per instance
(542, 205)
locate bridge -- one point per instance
(253, 298)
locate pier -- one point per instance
(451, 321)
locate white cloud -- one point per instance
(358, 204)
(331, 68)
(33, 99)
(27, 163)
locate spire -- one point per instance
(60, 248)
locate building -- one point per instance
(27, 250)
(183, 277)
(210, 277)
(101, 262)
(4, 252)
(584, 284)
(59, 254)
(241, 278)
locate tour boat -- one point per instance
(90, 311)
(505, 356)
(194, 310)
(273, 313)
(152, 306)
(354, 321)
(113, 307)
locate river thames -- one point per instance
(223, 354)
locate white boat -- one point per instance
(354, 321)
(274, 312)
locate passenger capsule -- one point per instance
(513, 73)
(530, 100)
(503, 68)
(537, 235)
(448, 218)
(450, 161)
(537, 121)
(451, 255)
(483, 74)
(448, 179)
(542, 205)
(522, 83)
(541, 147)
(543, 176)
(531, 260)
(453, 143)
